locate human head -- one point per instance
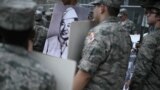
(48, 15)
(123, 14)
(16, 20)
(38, 15)
(65, 28)
(105, 8)
(69, 17)
(152, 11)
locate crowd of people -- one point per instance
(109, 61)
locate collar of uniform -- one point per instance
(14, 49)
(124, 22)
(111, 19)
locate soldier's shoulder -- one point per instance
(99, 28)
(95, 28)
(154, 34)
(24, 69)
(108, 25)
(113, 26)
(150, 38)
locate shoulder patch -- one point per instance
(90, 37)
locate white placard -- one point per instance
(63, 70)
(78, 32)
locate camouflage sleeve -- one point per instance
(93, 54)
(40, 36)
(144, 62)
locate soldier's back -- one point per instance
(116, 43)
(19, 71)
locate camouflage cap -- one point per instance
(38, 15)
(123, 11)
(48, 13)
(17, 14)
(111, 3)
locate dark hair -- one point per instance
(113, 11)
(158, 11)
(19, 38)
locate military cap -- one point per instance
(48, 13)
(123, 11)
(38, 15)
(111, 3)
(153, 4)
(17, 14)
(157, 5)
(148, 3)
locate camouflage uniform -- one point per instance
(129, 26)
(40, 33)
(40, 37)
(19, 70)
(147, 75)
(105, 55)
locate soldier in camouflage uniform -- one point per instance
(106, 51)
(47, 18)
(147, 75)
(19, 70)
(40, 33)
(127, 24)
